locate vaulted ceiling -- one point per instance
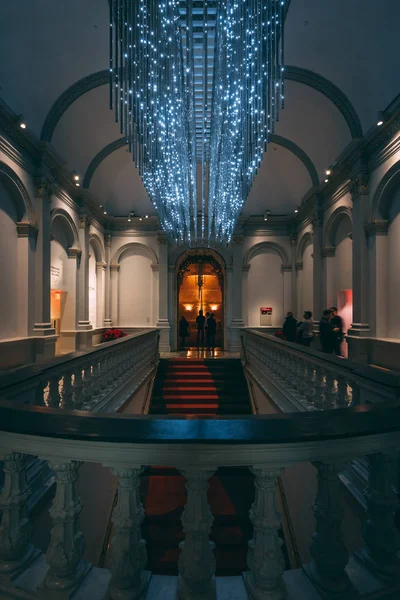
(342, 67)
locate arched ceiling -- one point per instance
(343, 69)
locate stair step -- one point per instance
(191, 409)
(211, 389)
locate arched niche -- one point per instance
(96, 281)
(266, 282)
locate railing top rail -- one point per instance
(25, 374)
(282, 428)
(373, 374)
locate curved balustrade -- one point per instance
(299, 378)
(197, 447)
(102, 377)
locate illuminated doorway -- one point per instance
(201, 287)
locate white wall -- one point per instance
(343, 257)
(92, 289)
(265, 287)
(393, 328)
(8, 266)
(135, 290)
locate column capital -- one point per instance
(293, 239)
(101, 266)
(377, 228)
(237, 239)
(245, 268)
(107, 240)
(286, 267)
(115, 268)
(74, 253)
(28, 230)
(299, 266)
(359, 185)
(162, 238)
(155, 268)
(328, 251)
(43, 187)
(84, 222)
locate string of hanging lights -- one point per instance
(197, 87)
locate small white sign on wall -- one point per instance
(266, 315)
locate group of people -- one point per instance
(330, 330)
(206, 329)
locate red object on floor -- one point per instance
(198, 387)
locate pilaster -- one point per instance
(378, 255)
(27, 237)
(100, 293)
(317, 228)
(83, 277)
(287, 287)
(163, 322)
(107, 283)
(293, 248)
(114, 284)
(235, 293)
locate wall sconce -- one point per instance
(57, 296)
(188, 306)
(214, 307)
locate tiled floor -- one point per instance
(200, 353)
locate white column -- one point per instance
(27, 236)
(329, 286)
(42, 326)
(265, 559)
(358, 347)
(378, 276)
(234, 293)
(293, 246)
(163, 322)
(287, 288)
(83, 279)
(100, 293)
(318, 281)
(299, 288)
(107, 312)
(114, 285)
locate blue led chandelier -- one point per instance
(197, 87)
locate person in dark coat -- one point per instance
(183, 330)
(290, 328)
(211, 330)
(200, 320)
(326, 334)
(337, 325)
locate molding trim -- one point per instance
(381, 199)
(61, 213)
(96, 241)
(299, 266)
(331, 91)
(258, 248)
(332, 224)
(16, 187)
(377, 228)
(150, 253)
(27, 230)
(306, 239)
(68, 97)
(328, 251)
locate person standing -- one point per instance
(337, 325)
(326, 334)
(211, 330)
(289, 328)
(183, 330)
(200, 320)
(305, 331)
(206, 329)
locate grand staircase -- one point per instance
(198, 386)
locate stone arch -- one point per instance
(18, 192)
(181, 253)
(98, 159)
(132, 245)
(98, 246)
(331, 91)
(299, 153)
(332, 225)
(258, 248)
(305, 240)
(70, 227)
(382, 197)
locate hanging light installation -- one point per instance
(197, 87)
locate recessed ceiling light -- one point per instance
(146, 216)
(379, 123)
(22, 125)
(105, 212)
(326, 180)
(328, 172)
(76, 177)
(296, 210)
(77, 184)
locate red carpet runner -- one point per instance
(198, 387)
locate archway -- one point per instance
(200, 277)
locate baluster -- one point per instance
(196, 563)
(128, 581)
(78, 388)
(87, 383)
(319, 386)
(342, 394)
(380, 534)
(40, 394)
(310, 383)
(264, 558)
(330, 557)
(330, 391)
(65, 551)
(16, 550)
(96, 377)
(67, 392)
(54, 399)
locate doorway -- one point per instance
(201, 287)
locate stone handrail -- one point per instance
(197, 447)
(300, 378)
(89, 379)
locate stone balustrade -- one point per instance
(299, 378)
(266, 444)
(101, 378)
